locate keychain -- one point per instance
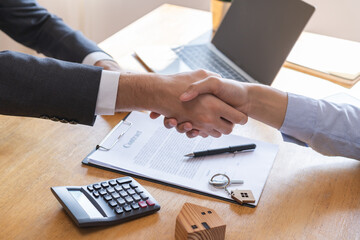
(240, 196)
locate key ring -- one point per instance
(212, 183)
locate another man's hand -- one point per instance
(160, 94)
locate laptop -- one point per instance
(250, 45)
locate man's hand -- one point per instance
(109, 65)
(160, 94)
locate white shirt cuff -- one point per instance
(94, 57)
(105, 104)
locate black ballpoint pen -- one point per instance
(233, 149)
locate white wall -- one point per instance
(338, 18)
(98, 19)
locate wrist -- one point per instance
(136, 92)
(267, 105)
(254, 94)
(243, 97)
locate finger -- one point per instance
(193, 133)
(154, 115)
(215, 74)
(224, 126)
(214, 133)
(203, 134)
(170, 122)
(232, 115)
(208, 85)
(210, 73)
(184, 127)
(204, 73)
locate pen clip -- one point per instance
(247, 150)
(242, 151)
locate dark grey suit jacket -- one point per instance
(45, 87)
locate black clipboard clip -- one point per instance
(114, 135)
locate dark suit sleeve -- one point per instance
(32, 25)
(48, 88)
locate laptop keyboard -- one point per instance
(201, 57)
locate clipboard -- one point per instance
(123, 122)
(138, 175)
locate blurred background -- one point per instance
(99, 19)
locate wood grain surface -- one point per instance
(199, 223)
(307, 195)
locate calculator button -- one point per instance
(131, 191)
(142, 204)
(115, 195)
(123, 193)
(126, 186)
(118, 188)
(138, 190)
(136, 197)
(150, 203)
(107, 197)
(90, 188)
(135, 206)
(143, 196)
(112, 182)
(133, 185)
(96, 186)
(121, 201)
(102, 192)
(119, 210)
(96, 194)
(110, 190)
(112, 203)
(129, 199)
(122, 181)
(105, 184)
(127, 208)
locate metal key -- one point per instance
(223, 183)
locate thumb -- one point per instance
(201, 87)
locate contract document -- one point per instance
(144, 147)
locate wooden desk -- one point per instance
(307, 196)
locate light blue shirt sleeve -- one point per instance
(329, 128)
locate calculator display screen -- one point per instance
(85, 203)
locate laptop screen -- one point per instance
(258, 35)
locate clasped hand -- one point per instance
(211, 106)
(197, 102)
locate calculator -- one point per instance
(108, 202)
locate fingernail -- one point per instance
(187, 128)
(185, 95)
(193, 134)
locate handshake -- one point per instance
(200, 102)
